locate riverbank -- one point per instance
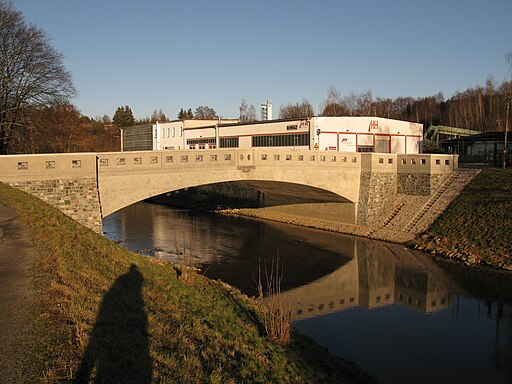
(100, 310)
(369, 232)
(476, 229)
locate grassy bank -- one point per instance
(106, 312)
(477, 227)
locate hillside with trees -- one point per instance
(480, 108)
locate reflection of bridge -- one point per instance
(353, 186)
(392, 274)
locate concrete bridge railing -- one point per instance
(89, 186)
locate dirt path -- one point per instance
(17, 254)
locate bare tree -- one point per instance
(297, 110)
(158, 116)
(32, 73)
(247, 112)
(333, 106)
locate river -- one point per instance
(390, 309)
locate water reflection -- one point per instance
(377, 275)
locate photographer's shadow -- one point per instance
(118, 349)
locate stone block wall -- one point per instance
(76, 198)
(419, 184)
(376, 189)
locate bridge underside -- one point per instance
(274, 196)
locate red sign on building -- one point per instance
(374, 125)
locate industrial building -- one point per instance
(344, 134)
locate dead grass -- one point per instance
(479, 221)
(276, 312)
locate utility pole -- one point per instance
(506, 134)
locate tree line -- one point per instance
(480, 108)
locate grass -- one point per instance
(104, 314)
(479, 221)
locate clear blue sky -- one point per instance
(156, 54)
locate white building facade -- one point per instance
(344, 134)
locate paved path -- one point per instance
(16, 294)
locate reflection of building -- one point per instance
(345, 134)
(391, 275)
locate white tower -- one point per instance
(266, 111)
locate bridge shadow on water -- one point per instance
(118, 349)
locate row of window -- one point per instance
(288, 140)
(166, 132)
(201, 141)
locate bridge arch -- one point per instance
(278, 196)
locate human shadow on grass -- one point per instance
(118, 349)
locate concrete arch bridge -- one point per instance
(345, 187)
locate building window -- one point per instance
(153, 160)
(263, 156)
(413, 161)
(276, 157)
(173, 131)
(76, 163)
(447, 162)
(228, 142)
(199, 157)
(365, 148)
(213, 157)
(103, 162)
(322, 158)
(184, 159)
(438, 162)
(121, 161)
(390, 161)
(137, 160)
(344, 159)
(354, 159)
(333, 159)
(311, 157)
(423, 162)
(300, 157)
(168, 159)
(227, 156)
(288, 157)
(381, 160)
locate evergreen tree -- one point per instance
(184, 115)
(205, 112)
(123, 117)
